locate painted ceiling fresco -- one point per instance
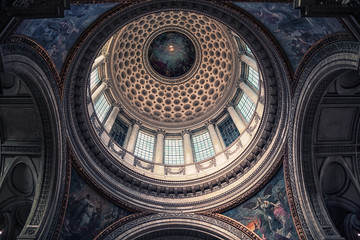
(296, 35)
(58, 35)
(87, 212)
(267, 213)
(171, 54)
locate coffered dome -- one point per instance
(172, 67)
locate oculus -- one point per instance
(171, 54)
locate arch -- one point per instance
(327, 63)
(211, 226)
(26, 62)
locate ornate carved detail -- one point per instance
(174, 170)
(21, 150)
(338, 37)
(140, 163)
(185, 131)
(65, 198)
(250, 129)
(160, 131)
(120, 152)
(209, 123)
(210, 163)
(292, 206)
(238, 146)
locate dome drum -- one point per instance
(235, 166)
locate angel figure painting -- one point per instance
(267, 213)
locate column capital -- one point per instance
(160, 131)
(209, 122)
(118, 105)
(230, 104)
(136, 122)
(185, 131)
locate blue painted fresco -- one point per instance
(267, 213)
(87, 213)
(171, 54)
(58, 35)
(296, 35)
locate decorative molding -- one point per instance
(43, 53)
(292, 205)
(223, 226)
(238, 144)
(200, 166)
(65, 199)
(121, 153)
(120, 223)
(16, 150)
(140, 163)
(337, 37)
(174, 170)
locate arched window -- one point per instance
(144, 147)
(174, 152)
(203, 147)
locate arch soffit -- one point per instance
(24, 60)
(321, 68)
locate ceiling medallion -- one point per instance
(172, 55)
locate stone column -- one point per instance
(96, 95)
(188, 153)
(214, 137)
(240, 125)
(98, 61)
(111, 119)
(159, 150)
(133, 136)
(249, 61)
(249, 92)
